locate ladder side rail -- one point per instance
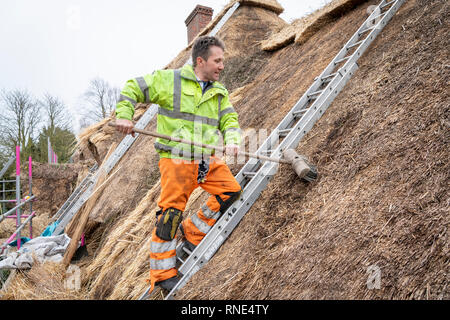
(70, 203)
(128, 140)
(354, 39)
(224, 227)
(305, 124)
(332, 88)
(64, 220)
(213, 240)
(252, 165)
(289, 118)
(314, 113)
(74, 195)
(234, 214)
(224, 19)
(7, 165)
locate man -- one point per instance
(194, 106)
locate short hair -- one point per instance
(202, 45)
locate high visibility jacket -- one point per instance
(184, 111)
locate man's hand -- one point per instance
(125, 126)
(231, 149)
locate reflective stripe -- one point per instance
(144, 87)
(227, 110)
(188, 116)
(232, 129)
(176, 112)
(163, 264)
(125, 98)
(208, 213)
(161, 247)
(172, 150)
(176, 91)
(219, 99)
(178, 152)
(200, 224)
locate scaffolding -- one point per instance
(52, 156)
(18, 212)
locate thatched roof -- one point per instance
(302, 29)
(381, 199)
(268, 5)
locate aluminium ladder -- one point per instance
(82, 194)
(255, 175)
(72, 203)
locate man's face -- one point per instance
(211, 68)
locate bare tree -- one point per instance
(102, 99)
(19, 119)
(57, 113)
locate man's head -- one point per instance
(207, 58)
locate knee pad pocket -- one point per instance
(167, 225)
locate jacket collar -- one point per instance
(187, 72)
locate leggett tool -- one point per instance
(298, 162)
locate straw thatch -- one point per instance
(45, 281)
(381, 199)
(302, 29)
(271, 10)
(271, 5)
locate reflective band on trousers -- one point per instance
(161, 247)
(208, 213)
(201, 225)
(163, 264)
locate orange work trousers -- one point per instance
(179, 178)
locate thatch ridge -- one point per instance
(302, 29)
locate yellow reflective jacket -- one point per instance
(184, 111)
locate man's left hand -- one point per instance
(231, 149)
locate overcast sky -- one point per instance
(59, 46)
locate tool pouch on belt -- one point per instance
(167, 225)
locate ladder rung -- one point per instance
(284, 132)
(355, 44)
(387, 4)
(328, 77)
(187, 250)
(249, 174)
(365, 30)
(316, 93)
(341, 60)
(379, 16)
(181, 260)
(297, 113)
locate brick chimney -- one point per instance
(197, 20)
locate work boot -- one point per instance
(168, 284)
